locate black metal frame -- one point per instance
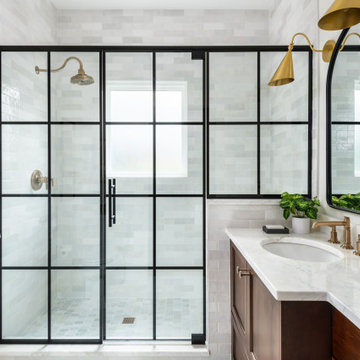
(259, 123)
(200, 53)
(329, 122)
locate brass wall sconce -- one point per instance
(285, 72)
(342, 14)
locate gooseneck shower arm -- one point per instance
(38, 70)
(81, 78)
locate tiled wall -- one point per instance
(163, 27)
(24, 23)
(286, 19)
(27, 22)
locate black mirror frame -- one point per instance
(328, 123)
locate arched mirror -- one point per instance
(343, 124)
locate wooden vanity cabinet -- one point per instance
(346, 338)
(266, 329)
(240, 305)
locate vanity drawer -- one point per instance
(238, 342)
(240, 294)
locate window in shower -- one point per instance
(171, 99)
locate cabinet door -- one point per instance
(345, 338)
(238, 343)
(266, 327)
(240, 295)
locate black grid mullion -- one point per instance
(102, 114)
(49, 190)
(204, 174)
(258, 105)
(154, 191)
(52, 123)
(1, 310)
(310, 115)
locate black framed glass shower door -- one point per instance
(155, 195)
(139, 274)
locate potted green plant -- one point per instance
(302, 209)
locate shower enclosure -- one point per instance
(102, 196)
(102, 186)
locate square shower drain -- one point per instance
(128, 320)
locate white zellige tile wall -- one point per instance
(158, 27)
(163, 27)
(24, 23)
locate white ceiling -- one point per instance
(163, 4)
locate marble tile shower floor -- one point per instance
(74, 319)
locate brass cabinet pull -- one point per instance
(241, 273)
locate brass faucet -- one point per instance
(333, 225)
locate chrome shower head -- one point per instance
(81, 78)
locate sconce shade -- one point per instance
(285, 72)
(342, 14)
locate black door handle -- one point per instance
(112, 202)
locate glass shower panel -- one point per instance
(179, 159)
(284, 103)
(179, 88)
(75, 159)
(233, 159)
(71, 102)
(24, 149)
(24, 231)
(24, 93)
(75, 224)
(24, 304)
(75, 304)
(129, 158)
(179, 230)
(129, 304)
(130, 242)
(179, 303)
(129, 96)
(233, 87)
(283, 165)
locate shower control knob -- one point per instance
(37, 180)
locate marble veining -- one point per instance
(293, 280)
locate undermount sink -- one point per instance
(302, 249)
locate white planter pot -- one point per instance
(300, 225)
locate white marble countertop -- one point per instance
(294, 280)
